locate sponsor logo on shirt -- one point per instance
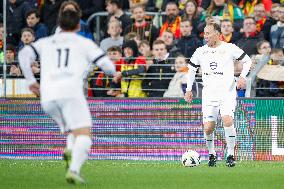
(213, 65)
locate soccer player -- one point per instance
(216, 60)
(65, 59)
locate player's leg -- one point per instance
(53, 108)
(80, 153)
(210, 113)
(209, 127)
(67, 154)
(79, 122)
(227, 112)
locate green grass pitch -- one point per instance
(40, 174)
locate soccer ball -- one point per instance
(190, 158)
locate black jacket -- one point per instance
(16, 14)
(188, 44)
(158, 77)
(248, 44)
(49, 14)
(89, 7)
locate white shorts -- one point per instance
(211, 108)
(69, 114)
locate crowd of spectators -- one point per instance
(151, 52)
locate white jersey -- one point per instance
(217, 65)
(65, 60)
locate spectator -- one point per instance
(228, 35)
(274, 11)
(189, 42)
(90, 7)
(250, 36)
(114, 9)
(132, 66)
(158, 75)
(144, 48)
(223, 9)
(132, 36)
(177, 85)
(173, 19)
(263, 22)
(32, 20)
(166, 2)
(263, 49)
(13, 68)
(115, 39)
(169, 39)
(49, 13)
(98, 83)
(145, 29)
(115, 54)
(277, 31)
(84, 28)
(16, 12)
(27, 37)
(191, 13)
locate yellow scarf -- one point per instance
(228, 14)
(248, 7)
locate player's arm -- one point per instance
(246, 61)
(105, 64)
(193, 65)
(192, 68)
(26, 57)
(98, 57)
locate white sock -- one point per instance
(80, 152)
(210, 143)
(70, 139)
(230, 134)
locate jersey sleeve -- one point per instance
(26, 57)
(237, 52)
(194, 60)
(240, 55)
(98, 57)
(36, 48)
(94, 53)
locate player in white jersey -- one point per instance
(216, 60)
(65, 59)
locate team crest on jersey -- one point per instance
(213, 65)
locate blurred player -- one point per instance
(65, 59)
(216, 60)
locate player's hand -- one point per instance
(188, 96)
(35, 89)
(241, 83)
